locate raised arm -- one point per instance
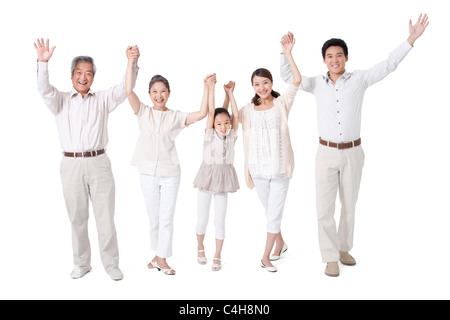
(51, 96)
(210, 83)
(199, 115)
(287, 43)
(229, 88)
(226, 101)
(415, 31)
(132, 55)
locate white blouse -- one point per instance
(155, 152)
(219, 149)
(266, 146)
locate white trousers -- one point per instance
(337, 170)
(220, 208)
(272, 192)
(160, 195)
(84, 178)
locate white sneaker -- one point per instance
(116, 274)
(80, 272)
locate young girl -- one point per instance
(269, 159)
(157, 160)
(216, 176)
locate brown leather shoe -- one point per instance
(346, 259)
(332, 269)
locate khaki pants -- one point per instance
(84, 178)
(337, 169)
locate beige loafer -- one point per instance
(332, 269)
(346, 259)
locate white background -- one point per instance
(401, 237)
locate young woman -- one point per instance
(157, 160)
(216, 176)
(269, 158)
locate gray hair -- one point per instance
(79, 59)
(158, 78)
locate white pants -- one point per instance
(272, 193)
(337, 169)
(160, 195)
(220, 207)
(84, 178)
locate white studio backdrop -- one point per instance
(401, 236)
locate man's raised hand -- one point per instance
(43, 50)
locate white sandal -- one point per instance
(201, 260)
(216, 266)
(151, 265)
(166, 271)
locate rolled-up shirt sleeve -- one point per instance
(285, 70)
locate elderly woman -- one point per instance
(157, 160)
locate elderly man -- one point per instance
(340, 157)
(82, 118)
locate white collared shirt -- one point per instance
(82, 123)
(339, 104)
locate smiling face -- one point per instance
(159, 95)
(262, 87)
(222, 123)
(83, 77)
(335, 60)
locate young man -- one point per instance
(82, 118)
(340, 157)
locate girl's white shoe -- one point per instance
(201, 260)
(216, 266)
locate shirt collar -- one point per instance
(344, 76)
(75, 92)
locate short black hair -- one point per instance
(334, 42)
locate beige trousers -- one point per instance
(84, 178)
(337, 170)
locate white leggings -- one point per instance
(220, 206)
(160, 195)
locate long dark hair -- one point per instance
(261, 72)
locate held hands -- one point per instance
(210, 80)
(415, 31)
(133, 53)
(229, 87)
(43, 50)
(287, 43)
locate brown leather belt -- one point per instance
(342, 145)
(86, 154)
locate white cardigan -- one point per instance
(283, 104)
